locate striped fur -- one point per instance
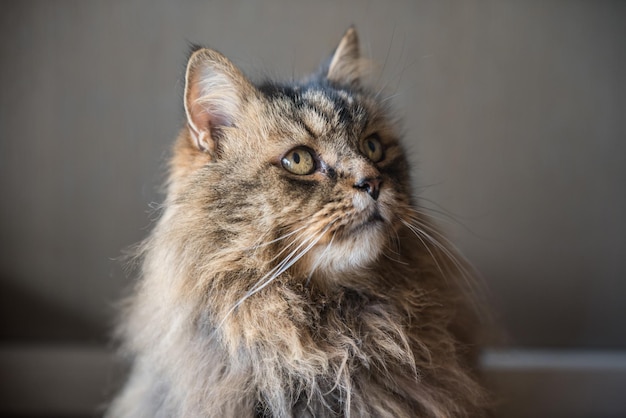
(267, 293)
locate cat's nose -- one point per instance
(371, 185)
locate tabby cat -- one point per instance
(291, 273)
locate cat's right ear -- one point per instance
(346, 64)
(214, 92)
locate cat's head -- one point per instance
(313, 167)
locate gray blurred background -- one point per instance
(515, 117)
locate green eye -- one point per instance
(299, 161)
(372, 148)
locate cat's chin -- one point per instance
(358, 242)
(352, 251)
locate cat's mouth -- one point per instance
(355, 241)
(371, 221)
(374, 218)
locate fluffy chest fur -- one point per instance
(291, 273)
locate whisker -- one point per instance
(451, 256)
(320, 259)
(418, 233)
(444, 248)
(279, 269)
(395, 260)
(280, 265)
(464, 268)
(447, 216)
(390, 97)
(290, 260)
(395, 242)
(265, 244)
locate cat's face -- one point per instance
(335, 171)
(314, 168)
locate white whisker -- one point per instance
(464, 268)
(454, 258)
(446, 216)
(320, 258)
(265, 244)
(418, 233)
(280, 268)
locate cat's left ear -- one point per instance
(215, 90)
(346, 64)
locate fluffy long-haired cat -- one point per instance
(291, 273)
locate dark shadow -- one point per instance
(28, 318)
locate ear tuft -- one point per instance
(345, 65)
(214, 92)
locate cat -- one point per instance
(291, 273)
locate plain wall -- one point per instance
(514, 113)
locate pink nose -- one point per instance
(371, 185)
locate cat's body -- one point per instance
(290, 273)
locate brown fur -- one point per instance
(265, 293)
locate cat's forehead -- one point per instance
(320, 108)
